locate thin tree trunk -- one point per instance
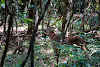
(7, 40)
(31, 47)
(68, 21)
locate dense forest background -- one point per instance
(49, 33)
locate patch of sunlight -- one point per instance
(10, 52)
(48, 51)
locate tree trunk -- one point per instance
(10, 21)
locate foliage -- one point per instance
(26, 12)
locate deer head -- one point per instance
(51, 33)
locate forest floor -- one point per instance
(23, 40)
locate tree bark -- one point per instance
(10, 21)
(31, 47)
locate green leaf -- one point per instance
(2, 1)
(2, 4)
(20, 2)
(70, 55)
(27, 20)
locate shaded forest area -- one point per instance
(49, 33)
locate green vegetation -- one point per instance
(49, 33)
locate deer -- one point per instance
(70, 39)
